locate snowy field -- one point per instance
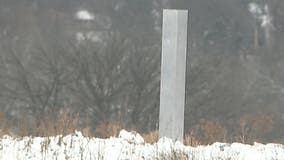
(128, 146)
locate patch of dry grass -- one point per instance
(249, 128)
(253, 127)
(63, 123)
(151, 137)
(108, 129)
(190, 140)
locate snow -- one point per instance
(255, 9)
(129, 145)
(84, 15)
(266, 21)
(91, 35)
(131, 137)
(261, 14)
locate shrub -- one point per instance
(207, 132)
(253, 127)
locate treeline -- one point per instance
(108, 69)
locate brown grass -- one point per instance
(63, 123)
(253, 127)
(213, 131)
(108, 129)
(87, 132)
(4, 125)
(206, 132)
(190, 140)
(249, 128)
(151, 137)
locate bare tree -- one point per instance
(144, 67)
(103, 83)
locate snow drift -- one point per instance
(129, 145)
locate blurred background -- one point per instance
(94, 65)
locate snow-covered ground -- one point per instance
(128, 146)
